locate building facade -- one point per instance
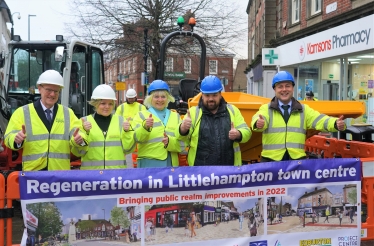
(327, 45)
(128, 67)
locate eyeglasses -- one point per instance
(50, 90)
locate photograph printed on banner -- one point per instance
(201, 221)
(78, 222)
(309, 209)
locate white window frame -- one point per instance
(213, 66)
(134, 64)
(129, 66)
(295, 11)
(124, 67)
(253, 48)
(187, 65)
(149, 64)
(316, 7)
(169, 64)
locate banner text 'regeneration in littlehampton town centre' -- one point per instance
(187, 180)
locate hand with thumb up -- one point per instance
(260, 122)
(126, 125)
(21, 135)
(186, 124)
(149, 122)
(77, 137)
(233, 133)
(340, 123)
(165, 140)
(86, 125)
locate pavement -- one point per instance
(292, 224)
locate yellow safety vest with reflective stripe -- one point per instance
(193, 135)
(150, 144)
(127, 110)
(277, 137)
(105, 150)
(42, 148)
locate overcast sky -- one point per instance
(52, 14)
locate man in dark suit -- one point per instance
(44, 129)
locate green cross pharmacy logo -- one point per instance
(271, 56)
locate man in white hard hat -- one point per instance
(128, 110)
(44, 129)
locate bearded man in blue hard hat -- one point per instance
(214, 128)
(284, 122)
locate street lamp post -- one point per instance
(12, 29)
(103, 228)
(29, 24)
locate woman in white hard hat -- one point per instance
(154, 129)
(105, 133)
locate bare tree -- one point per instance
(119, 24)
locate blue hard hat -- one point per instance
(211, 84)
(157, 85)
(283, 76)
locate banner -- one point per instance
(306, 202)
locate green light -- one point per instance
(180, 21)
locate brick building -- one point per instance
(178, 66)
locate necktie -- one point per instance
(48, 114)
(286, 114)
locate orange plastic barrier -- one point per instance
(367, 197)
(321, 145)
(2, 203)
(352, 149)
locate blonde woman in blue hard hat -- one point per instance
(153, 129)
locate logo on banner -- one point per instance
(302, 51)
(316, 242)
(259, 243)
(348, 240)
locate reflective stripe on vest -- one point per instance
(88, 164)
(271, 129)
(31, 137)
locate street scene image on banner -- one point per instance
(292, 207)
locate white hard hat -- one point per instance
(51, 77)
(103, 92)
(131, 93)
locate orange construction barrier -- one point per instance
(367, 198)
(12, 193)
(2, 205)
(320, 145)
(352, 149)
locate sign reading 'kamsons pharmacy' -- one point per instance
(351, 37)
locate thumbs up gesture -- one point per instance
(149, 122)
(77, 137)
(233, 133)
(340, 123)
(126, 125)
(187, 122)
(21, 135)
(260, 122)
(165, 140)
(86, 125)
